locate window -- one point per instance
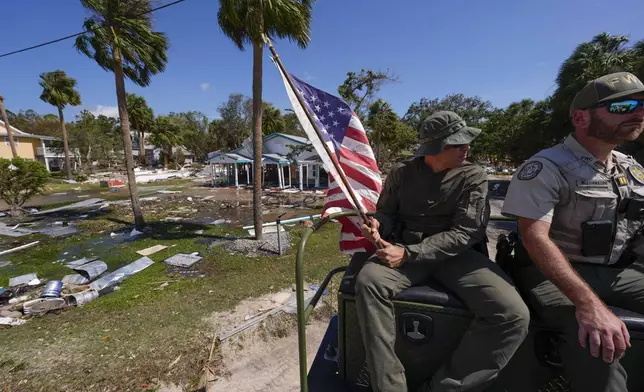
(15, 140)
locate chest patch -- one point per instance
(531, 170)
(637, 172)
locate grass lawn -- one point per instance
(55, 185)
(127, 339)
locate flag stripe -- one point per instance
(348, 148)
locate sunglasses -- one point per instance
(623, 107)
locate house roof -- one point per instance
(18, 133)
(227, 158)
(298, 139)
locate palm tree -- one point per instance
(604, 54)
(59, 90)
(3, 113)
(382, 120)
(272, 120)
(142, 120)
(166, 134)
(249, 22)
(121, 40)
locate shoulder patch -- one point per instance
(530, 170)
(637, 172)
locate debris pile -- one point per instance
(267, 246)
(24, 297)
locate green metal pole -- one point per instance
(301, 316)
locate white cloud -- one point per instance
(205, 86)
(108, 111)
(308, 76)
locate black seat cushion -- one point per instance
(634, 321)
(432, 293)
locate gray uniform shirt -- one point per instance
(434, 215)
(567, 186)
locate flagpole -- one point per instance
(343, 178)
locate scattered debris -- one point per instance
(52, 289)
(220, 221)
(80, 299)
(77, 263)
(135, 232)
(14, 231)
(173, 219)
(113, 278)
(57, 231)
(183, 260)
(163, 191)
(82, 196)
(149, 198)
(70, 181)
(29, 279)
(266, 230)
(164, 284)
(10, 313)
(199, 232)
(59, 194)
(11, 321)
(257, 319)
(215, 244)
(186, 273)
(4, 263)
(189, 199)
(151, 250)
(21, 247)
(175, 361)
(75, 279)
(207, 198)
(81, 204)
(43, 305)
(92, 269)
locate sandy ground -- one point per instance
(265, 358)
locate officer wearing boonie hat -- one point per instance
(579, 207)
(430, 217)
(443, 129)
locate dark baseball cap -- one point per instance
(442, 129)
(607, 88)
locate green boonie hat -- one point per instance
(442, 129)
(607, 88)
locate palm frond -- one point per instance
(127, 24)
(59, 89)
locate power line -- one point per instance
(83, 32)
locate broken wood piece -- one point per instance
(151, 250)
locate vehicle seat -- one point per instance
(432, 293)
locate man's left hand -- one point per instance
(392, 255)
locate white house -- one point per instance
(303, 170)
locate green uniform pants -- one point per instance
(623, 288)
(500, 323)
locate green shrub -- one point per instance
(20, 180)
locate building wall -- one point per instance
(26, 147)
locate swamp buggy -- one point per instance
(430, 323)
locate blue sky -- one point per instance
(501, 50)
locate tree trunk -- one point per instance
(139, 222)
(3, 112)
(258, 49)
(165, 159)
(68, 164)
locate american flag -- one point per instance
(346, 138)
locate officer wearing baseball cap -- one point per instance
(430, 218)
(579, 208)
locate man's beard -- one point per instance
(613, 135)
